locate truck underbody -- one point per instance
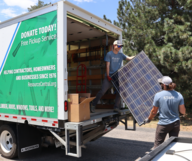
(33, 138)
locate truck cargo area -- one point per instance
(88, 44)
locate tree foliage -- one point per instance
(114, 22)
(105, 18)
(163, 29)
(39, 5)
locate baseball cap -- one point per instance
(117, 42)
(166, 80)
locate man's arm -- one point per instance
(129, 58)
(153, 112)
(107, 68)
(107, 71)
(182, 109)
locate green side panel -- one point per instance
(28, 82)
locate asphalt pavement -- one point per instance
(117, 145)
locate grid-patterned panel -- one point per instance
(137, 84)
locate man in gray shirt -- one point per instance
(113, 60)
(169, 103)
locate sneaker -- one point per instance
(117, 110)
(92, 108)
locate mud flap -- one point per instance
(28, 141)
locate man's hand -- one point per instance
(147, 121)
(109, 78)
(130, 57)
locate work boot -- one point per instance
(92, 107)
(117, 110)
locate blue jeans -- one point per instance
(105, 86)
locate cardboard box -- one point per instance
(79, 107)
(73, 98)
(76, 98)
(83, 96)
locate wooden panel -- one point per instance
(96, 58)
(88, 58)
(97, 71)
(96, 82)
(68, 60)
(72, 91)
(92, 49)
(97, 62)
(72, 83)
(89, 77)
(73, 73)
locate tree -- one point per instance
(39, 5)
(163, 29)
(105, 18)
(114, 22)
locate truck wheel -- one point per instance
(8, 144)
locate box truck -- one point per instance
(40, 53)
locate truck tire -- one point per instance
(8, 142)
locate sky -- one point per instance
(13, 8)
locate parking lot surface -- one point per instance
(119, 144)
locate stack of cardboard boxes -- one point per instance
(79, 107)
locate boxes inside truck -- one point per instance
(79, 107)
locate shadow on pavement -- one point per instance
(103, 149)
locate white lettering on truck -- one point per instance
(29, 33)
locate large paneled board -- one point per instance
(137, 84)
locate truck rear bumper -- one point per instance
(78, 134)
